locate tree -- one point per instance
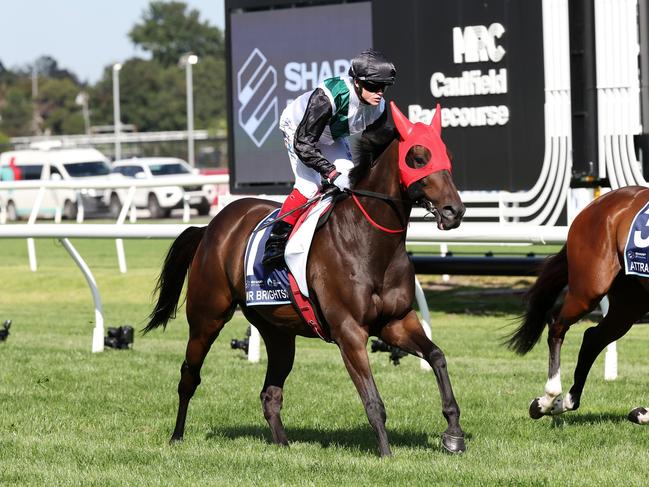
(16, 112)
(152, 92)
(151, 96)
(6, 76)
(48, 67)
(57, 106)
(209, 93)
(169, 30)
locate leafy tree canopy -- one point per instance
(168, 30)
(45, 66)
(16, 112)
(152, 92)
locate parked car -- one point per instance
(53, 164)
(162, 199)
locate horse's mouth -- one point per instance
(438, 219)
(446, 219)
(434, 213)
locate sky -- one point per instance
(83, 36)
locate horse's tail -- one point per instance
(172, 277)
(540, 300)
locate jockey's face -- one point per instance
(370, 93)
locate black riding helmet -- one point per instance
(371, 65)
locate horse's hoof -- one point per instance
(638, 416)
(535, 409)
(453, 444)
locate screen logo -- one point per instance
(256, 83)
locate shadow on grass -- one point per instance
(577, 418)
(484, 296)
(477, 300)
(360, 438)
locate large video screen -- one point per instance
(483, 62)
(275, 56)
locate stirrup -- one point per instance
(273, 257)
(274, 251)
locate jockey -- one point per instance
(316, 127)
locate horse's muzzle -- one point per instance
(450, 216)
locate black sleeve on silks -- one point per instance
(316, 118)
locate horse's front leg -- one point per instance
(409, 335)
(352, 341)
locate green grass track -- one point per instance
(69, 417)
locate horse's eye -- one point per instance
(420, 161)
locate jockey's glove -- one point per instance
(339, 179)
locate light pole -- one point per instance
(82, 100)
(36, 119)
(116, 113)
(186, 61)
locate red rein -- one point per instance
(369, 218)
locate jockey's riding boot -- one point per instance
(276, 243)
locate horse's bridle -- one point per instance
(415, 197)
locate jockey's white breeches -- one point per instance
(308, 181)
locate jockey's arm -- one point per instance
(317, 116)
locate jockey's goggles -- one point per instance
(374, 87)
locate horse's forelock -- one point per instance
(369, 147)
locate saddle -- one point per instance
(287, 284)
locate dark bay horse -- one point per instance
(591, 265)
(360, 275)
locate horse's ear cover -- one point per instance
(436, 122)
(403, 125)
(428, 136)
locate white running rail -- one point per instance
(618, 91)
(7, 187)
(418, 232)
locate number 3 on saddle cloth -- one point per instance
(636, 251)
(282, 285)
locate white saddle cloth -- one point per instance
(297, 248)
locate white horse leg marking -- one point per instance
(639, 416)
(552, 391)
(561, 405)
(643, 418)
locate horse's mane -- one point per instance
(368, 148)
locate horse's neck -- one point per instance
(383, 177)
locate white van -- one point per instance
(53, 164)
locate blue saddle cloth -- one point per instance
(264, 287)
(636, 251)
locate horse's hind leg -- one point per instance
(641, 415)
(574, 307)
(628, 302)
(409, 335)
(280, 349)
(203, 330)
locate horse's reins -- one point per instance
(353, 192)
(427, 205)
(384, 197)
(308, 202)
